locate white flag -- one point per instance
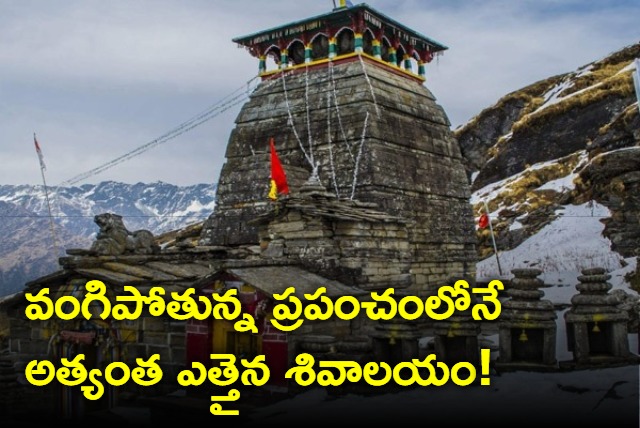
(40, 156)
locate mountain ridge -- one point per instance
(25, 253)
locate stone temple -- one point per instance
(346, 104)
(378, 200)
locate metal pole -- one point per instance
(636, 81)
(46, 195)
(493, 239)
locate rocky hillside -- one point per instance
(564, 147)
(27, 248)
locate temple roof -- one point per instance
(276, 279)
(337, 19)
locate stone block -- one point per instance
(176, 339)
(178, 354)
(153, 324)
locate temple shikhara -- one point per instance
(377, 198)
(349, 111)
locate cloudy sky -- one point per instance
(95, 79)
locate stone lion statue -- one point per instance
(115, 239)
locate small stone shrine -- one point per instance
(527, 325)
(456, 338)
(395, 340)
(596, 326)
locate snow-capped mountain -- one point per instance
(27, 250)
(557, 165)
(158, 207)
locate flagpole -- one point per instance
(636, 80)
(493, 239)
(46, 195)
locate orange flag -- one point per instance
(278, 177)
(483, 221)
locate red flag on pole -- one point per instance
(483, 221)
(39, 152)
(278, 177)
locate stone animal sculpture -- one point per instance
(115, 239)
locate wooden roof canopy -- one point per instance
(359, 18)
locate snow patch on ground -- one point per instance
(571, 242)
